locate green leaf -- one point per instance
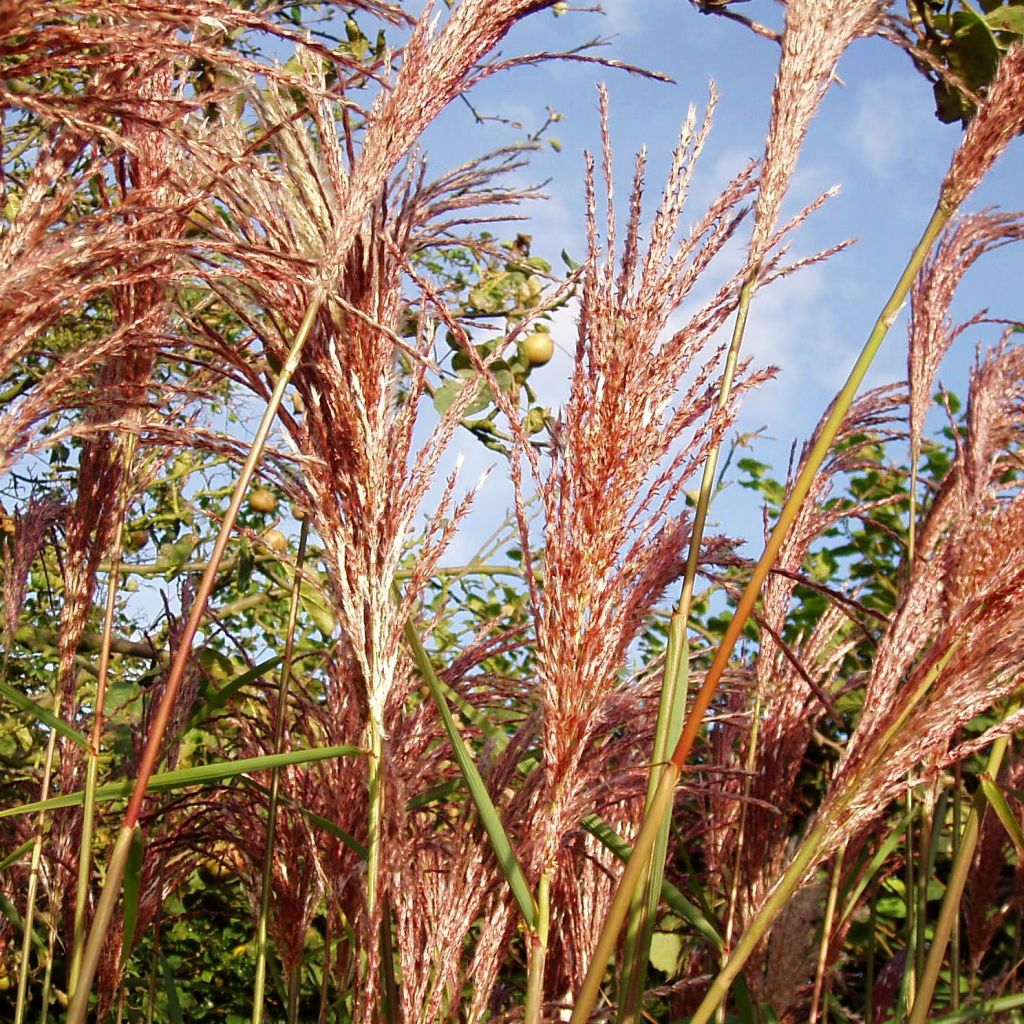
(8, 909)
(489, 817)
(317, 609)
(669, 893)
(446, 394)
(986, 1010)
(1006, 19)
(13, 858)
(665, 950)
(327, 825)
(994, 795)
(220, 697)
(171, 992)
(27, 704)
(132, 885)
(200, 775)
(245, 565)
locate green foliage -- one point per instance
(968, 40)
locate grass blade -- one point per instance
(998, 803)
(10, 911)
(688, 911)
(171, 992)
(489, 817)
(199, 775)
(950, 910)
(132, 887)
(47, 718)
(13, 858)
(326, 824)
(228, 690)
(987, 1010)
(671, 708)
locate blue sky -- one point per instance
(876, 137)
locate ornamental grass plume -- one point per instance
(930, 331)
(361, 479)
(31, 531)
(628, 440)
(999, 120)
(953, 647)
(59, 248)
(817, 33)
(796, 681)
(316, 229)
(639, 418)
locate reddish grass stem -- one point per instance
(118, 858)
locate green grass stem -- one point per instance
(93, 755)
(949, 912)
(33, 887)
(672, 701)
(643, 912)
(819, 997)
(538, 940)
(954, 938)
(260, 977)
(908, 982)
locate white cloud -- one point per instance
(882, 133)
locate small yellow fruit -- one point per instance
(276, 541)
(262, 500)
(538, 348)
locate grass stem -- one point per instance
(826, 935)
(176, 674)
(33, 886)
(538, 939)
(673, 697)
(280, 717)
(96, 737)
(949, 913)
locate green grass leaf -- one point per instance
(13, 858)
(998, 803)
(489, 817)
(200, 775)
(171, 992)
(131, 886)
(603, 832)
(29, 706)
(220, 698)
